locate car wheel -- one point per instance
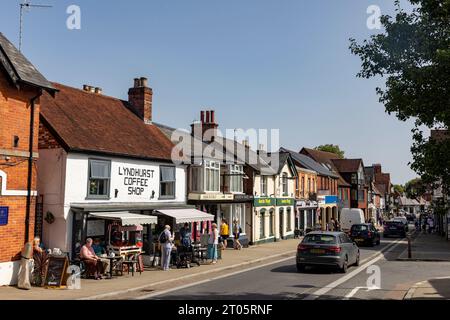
(378, 242)
(403, 235)
(372, 243)
(300, 267)
(344, 267)
(357, 259)
(385, 235)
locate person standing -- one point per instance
(237, 230)
(224, 232)
(331, 225)
(185, 234)
(166, 240)
(213, 242)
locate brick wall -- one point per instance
(46, 139)
(15, 121)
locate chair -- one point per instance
(132, 263)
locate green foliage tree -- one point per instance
(415, 188)
(332, 148)
(399, 188)
(413, 55)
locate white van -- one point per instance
(350, 217)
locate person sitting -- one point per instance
(94, 265)
(98, 248)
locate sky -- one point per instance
(263, 64)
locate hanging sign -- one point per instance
(4, 213)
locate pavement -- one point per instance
(154, 279)
(430, 248)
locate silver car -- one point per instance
(328, 249)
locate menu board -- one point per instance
(56, 271)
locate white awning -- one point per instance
(187, 215)
(127, 218)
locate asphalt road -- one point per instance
(282, 281)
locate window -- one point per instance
(167, 182)
(237, 213)
(361, 195)
(262, 222)
(289, 220)
(303, 186)
(284, 182)
(99, 179)
(196, 179)
(236, 178)
(271, 223)
(264, 185)
(212, 176)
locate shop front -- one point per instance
(306, 217)
(328, 206)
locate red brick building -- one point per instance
(21, 86)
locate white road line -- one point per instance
(355, 291)
(154, 294)
(352, 274)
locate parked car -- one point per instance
(327, 249)
(403, 220)
(350, 217)
(394, 228)
(365, 233)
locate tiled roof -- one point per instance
(19, 68)
(347, 165)
(90, 122)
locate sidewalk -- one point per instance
(232, 260)
(428, 247)
(434, 289)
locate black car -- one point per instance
(365, 233)
(394, 228)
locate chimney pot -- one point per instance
(144, 82)
(213, 116)
(85, 87)
(202, 116)
(208, 117)
(98, 90)
(137, 82)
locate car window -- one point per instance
(347, 239)
(320, 239)
(359, 227)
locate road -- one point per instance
(282, 281)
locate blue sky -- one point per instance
(258, 63)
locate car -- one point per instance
(365, 233)
(403, 220)
(327, 249)
(394, 228)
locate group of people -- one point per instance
(217, 240)
(426, 224)
(334, 225)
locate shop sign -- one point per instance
(4, 213)
(211, 197)
(243, 197)
(331, 199)
(285, 202)
(263, 202)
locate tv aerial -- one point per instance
(25, 6)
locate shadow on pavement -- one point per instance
(442, 287)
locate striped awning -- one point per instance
(126, 218)
(187, 215)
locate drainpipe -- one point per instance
(30, 167)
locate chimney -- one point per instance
(207, 123)
(376, 168)
(86, 88)
(141, 97)
(98, 90)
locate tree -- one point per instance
(332, 148)
(399, 188)
(415, 188)
(413, 54)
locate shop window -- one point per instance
(262, 224)
(167, 182)
(212, 176)
(271, 223)
(288, 220)
(99, 179)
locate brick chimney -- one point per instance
(376, 168)
(207, 123)
(141, 97)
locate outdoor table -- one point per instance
(112, 261)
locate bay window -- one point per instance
(236, 178)
(212, 176)
(264, 186)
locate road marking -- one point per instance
(154, 294)
(352, 274)
(355, 291)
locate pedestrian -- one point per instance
(331, 225)
(166, 241)
(185, 234)
(224, 232)
(430, 225)
(237, 230)
(213, 242)
(337, 226)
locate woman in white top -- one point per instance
(213, 242)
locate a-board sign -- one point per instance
(56, 271)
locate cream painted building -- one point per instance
(273, 206)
